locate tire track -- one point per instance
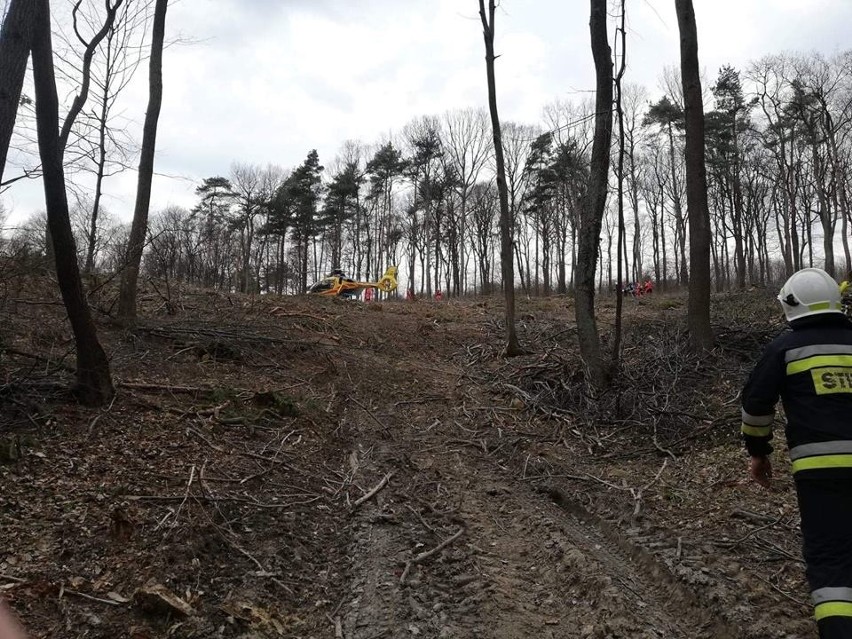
(532, 563)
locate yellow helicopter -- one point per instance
(337, 284)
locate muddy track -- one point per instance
(666, 600)
(529, 563)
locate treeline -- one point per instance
(778, 158)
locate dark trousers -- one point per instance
(825, 503)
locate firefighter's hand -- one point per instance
(760, 469)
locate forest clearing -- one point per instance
(328, 468)
(425, 320)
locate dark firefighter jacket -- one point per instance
(810, 369)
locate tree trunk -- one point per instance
(826, 217)
(93, 385)
(655, 240)
(698, 319)
(621, 238)
(638, 266)
(663, 278)
(99, 178)
(678, 206)
(127, 294)
(591, 216)
(844, 208)
(513, 347)
(14, 51)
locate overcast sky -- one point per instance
(265, 81)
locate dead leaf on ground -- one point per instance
(156, 598)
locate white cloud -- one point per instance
(265, 81)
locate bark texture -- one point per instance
(698, 320)
(139, 229)
(93, 384)
(513, 347)
(14, 52)
(595, 201)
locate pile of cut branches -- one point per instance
(660, 388)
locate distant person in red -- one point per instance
(649, 286)
(409, 295)
(368, 295)
(439, 295)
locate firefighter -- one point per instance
(810, 368)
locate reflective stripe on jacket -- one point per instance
(810, 369)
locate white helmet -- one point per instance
(810, 291)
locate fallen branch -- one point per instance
(271, 460)
(200, 436)
(370, 414)
(373, 491)
(423, 556)
(754, 531)
(19, 300)
(657, 476)
(185, 494)
(59, 365)
(783, 593)
(224, 498)
(757, 517)
(338, 627)
(109, 602)
(279, 312)
(262, 571)
(422, 400)
(168, 388)
(637, 493)
(420, 517)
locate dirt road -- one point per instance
(524, 561)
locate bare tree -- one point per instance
(517, 146)
(700, 332)
(93, 384)
(591, 219)
(513, 347)
(483, 207)
(621, 241)
(127, 295)
(467, 151)
(89, 48)
(248, 196)
(633, 99)
(108, 152)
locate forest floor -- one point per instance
(308, 467)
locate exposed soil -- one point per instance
(322, 468)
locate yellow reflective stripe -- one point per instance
(818, 361)
(836, 379)
(833, 609)
(756, 431)
(820, 306)
(823, 461)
